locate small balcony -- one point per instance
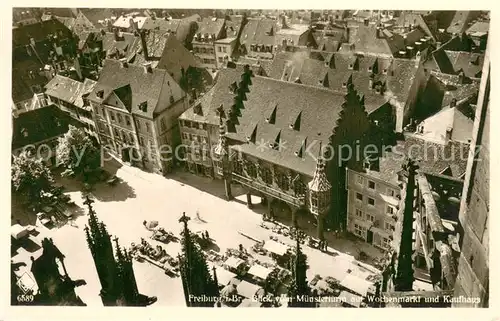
(248, 182)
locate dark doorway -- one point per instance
(369, 236)
(199, 169)
(126, 154)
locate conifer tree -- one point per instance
(196, 278)
(298, 291)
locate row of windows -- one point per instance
(189, 124)
(209, 61)
(359, 214)
(359, 197)
(195, 138)
(221, 49)
(204, 50)
(372, 185)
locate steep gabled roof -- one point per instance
(144, 86)
(318, 109)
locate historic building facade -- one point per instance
(136, 111)
(272, 154)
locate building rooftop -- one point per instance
(453, 62)
(64, 88)
(124, 43)
(39, 32)
(317, 110)
(38, 125)
(479, 28)
(461, 20)
(138, 90)
(332, 70)
(210, 26)
(259, 31)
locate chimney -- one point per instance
(379, 32)
(117, 34)
(453, 103)
(131, 23)
(461, 77)
(366, 22)
(410, 51)
(418, 45)
(142, 34)
(283, 22)
(103, 32)
(124, 62)
(193, 93)
(147, 67)
(32, 42)
(449, 132)
(370, 82)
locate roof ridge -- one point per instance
(296, 84)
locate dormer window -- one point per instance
(351, 66)
(24, 131)
(100, 94)
(344, 85)
(385, 71)
(370, 69)
(267, 120)
(143, 106)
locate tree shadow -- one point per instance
(119, 192)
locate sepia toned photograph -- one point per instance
(249, 158)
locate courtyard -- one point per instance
(141, 196)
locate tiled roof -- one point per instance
(144, 86)
(64, 88)
(436, 126)
(431, 158)
(208, 26)
(233, 25)
(97, 16)
(82, 24)
(85, 89)
(460, 21)
(319, 111)
(124, 21)
(311, 69)
(478, 28)
(39, 124)
(127, 44)
(470, 63)
(365, 40)
(407, 19)
(175, 57)
(257, 31)
(26, 74)
(161, 24)
(452, 62)
(39, 32)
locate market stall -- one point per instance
(17, 231)
(247, 289)
(224, 276)
(275, 247)
(259, 271)
(235, 265)
(356, 284)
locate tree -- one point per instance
(196, 278)
(30, 176)
(298, 291)
(77, 153)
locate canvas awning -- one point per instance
(234, 262)
(356, 284)
(224, 276)
(275, 247)
(259, 271)
(17, 231)
(351, 299)
(247, 289)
